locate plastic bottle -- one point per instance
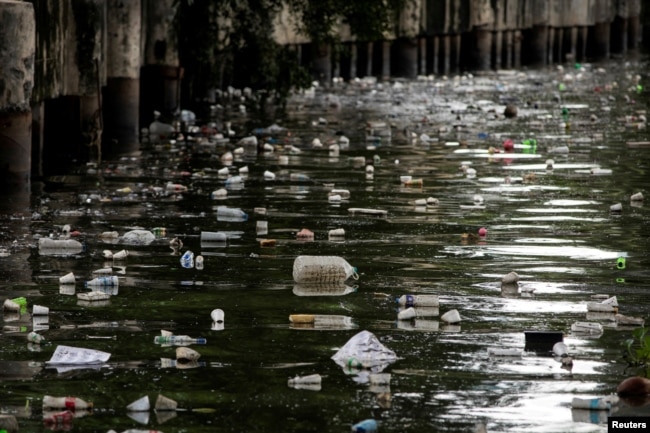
(230, 212)
(187, 259)
(49, 246)
(103, 281)
(365, 426)
(199, 263)
(214, 237)
(419, 301)
(70, 403)
(178, 340)
(322, 269)
(312, 379)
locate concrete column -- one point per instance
(509, 48)
(17, 54)
(560, 45)
(633, 34)
(90, 41)
(517, 49)
(422, 47)
(436, 55)
(369, 57)
(483, 52)
(537, 46)
(584, 31)
(457, 47)
(447, 53)
(122, 91)
(353, 60)
(601, 39)
(498, 47)
(406, 57)
(619, 31)
(574, 43)
(322, 63)
(38, 138)
(551, 45)
(385, 59)
(161, 74)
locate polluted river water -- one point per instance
(422, 186)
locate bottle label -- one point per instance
(70, 403)
(410, 301)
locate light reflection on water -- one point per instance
(552, 227)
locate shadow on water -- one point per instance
(424, 169)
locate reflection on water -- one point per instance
(411, 200)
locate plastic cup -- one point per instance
(140, 405)
(120, 255)
(68, 278)
(217, 315)
(451, 316)
(164, 403)
(10, 305)
(40, 310)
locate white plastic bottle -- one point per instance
(419, 301)
(71, 403)
(178, 340)
(231, 213)
(322, 269)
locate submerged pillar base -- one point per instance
(16, 149)
(121, 111)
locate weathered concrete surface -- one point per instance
(17, 53)
(16, 56)
(122, 91)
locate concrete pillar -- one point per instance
(574, 43)
(353, 60)
(369, 57)
(619, 32)
(447, 53)
(516, 56)
(601, 39)
(560, 45)
(509, 48)
(336, 67)
(322, 63)
(551, 45)
(161, 75)
(498, 47)
(483, 51)
(385, 59)
(436, 55)
(633, 34)
(537, 46)
(17, 54)
(38, 138)
(406, 58)
(422, 47)
(89, 39)
(584, 31)
(457, 47)
(122, 91)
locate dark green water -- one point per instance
(555, 230)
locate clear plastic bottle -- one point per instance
(322, 269)
(187, 259)
(231, 213)
(419, 300)
(110, 281)
(178, 340)
(34, 337)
